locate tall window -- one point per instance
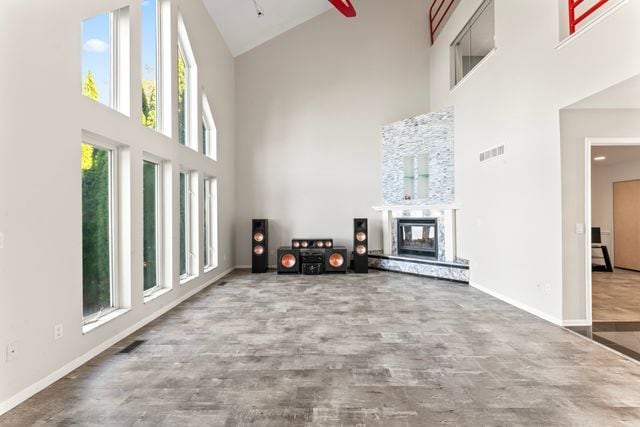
(152, 225)
(186, 220)
(474, 42)
(98, 290)
(187, 91)
(209, 132)
(210, 224)
(150, 53)
(105, 59)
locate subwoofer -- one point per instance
(259, 246)
(360, 245)
(335, 260)
(288, 261)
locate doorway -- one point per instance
(613, 242)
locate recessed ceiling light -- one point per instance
(599, 158)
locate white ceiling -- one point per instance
(615, 154)
(623, 95)
(243, 30)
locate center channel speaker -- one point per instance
(360, 245)
(288, 261)
(259, 246)
(335, 260)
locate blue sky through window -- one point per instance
(96, 54)
(149, 39)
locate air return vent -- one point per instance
(490, 154)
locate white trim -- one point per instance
(575, 322)
(36, 387)
(591, 142)
(113, 314)
(517, 304)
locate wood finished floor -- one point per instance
(382, 349)
(616, 296)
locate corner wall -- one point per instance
(42, 112)
(510, 225)
(311, 105)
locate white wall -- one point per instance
(576, 126)
(310, 107)
(510, 223)
(42, 113)
(603, 176)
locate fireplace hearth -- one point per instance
(418, 237)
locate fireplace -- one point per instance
(418, 237)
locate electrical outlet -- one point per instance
(58, 331)
(224, 257)
(547, 288)
(1, 240)
(12, 351)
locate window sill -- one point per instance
(473, 70)
(157, 294)
(210, 268)
(104, 320)
(185, 280)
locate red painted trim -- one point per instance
(432, 16)
(345, 7)
(576, 19)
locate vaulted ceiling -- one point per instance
(243, 29)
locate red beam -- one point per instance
(345, 7)
(575, 19)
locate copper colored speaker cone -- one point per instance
(328, 244)
(258, 249)
(288, 261)
(361, 250)
(296, 244)
(320, 244)
(304, 244)
(361, 236)
(258, 237)
(336, 260)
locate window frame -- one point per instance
(210, 136)
(114, 224)
(163, 67)
(191, 88)
(211, 223)
(466, 29)
(159, 218)
(119, 59)
(191, 226)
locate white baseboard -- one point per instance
(40, 385)
(576, 322)
(518, 304)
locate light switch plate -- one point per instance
(580, 228)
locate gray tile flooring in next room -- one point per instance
(382, 349)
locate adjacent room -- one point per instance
(319, 212)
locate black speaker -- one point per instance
(259, 246)
(335, 260)
(360, 245)
(288, 261)
(311, 243)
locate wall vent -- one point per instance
(490, 154)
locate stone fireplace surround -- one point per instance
(447, 265)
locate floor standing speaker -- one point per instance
(360, 245)
(259, 246)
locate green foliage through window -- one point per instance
(96, 221)
(150, 226)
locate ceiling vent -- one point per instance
(492, 153)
